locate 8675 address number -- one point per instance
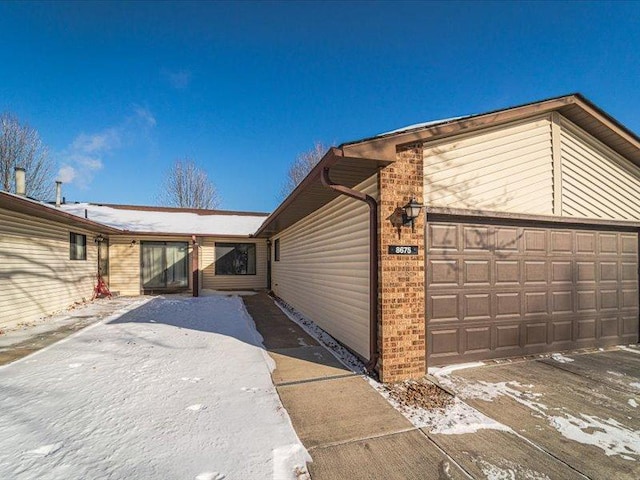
(403, 249)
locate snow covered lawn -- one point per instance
(174, 388)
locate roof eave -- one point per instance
(36, 209)
(385, 147)
(333, 158)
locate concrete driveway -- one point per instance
(581, 409)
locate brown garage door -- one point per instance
(498, 288)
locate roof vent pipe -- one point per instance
(21, 184)
(58, 192)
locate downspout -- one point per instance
(373, 261)
(195, 267)
(268, 265)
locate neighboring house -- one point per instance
(527, 242)
(48, 259)
(154, 248)
(50, 255)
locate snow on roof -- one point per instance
(422, 125)
(166, 220)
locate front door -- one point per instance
(164, 265)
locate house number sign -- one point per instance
(403, 249)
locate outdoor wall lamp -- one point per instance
(99, 239)
(410, 212)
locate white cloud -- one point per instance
(145, 115)
(96, 142)
(86, 154)
(89, 162)
(66, 174)
(179, 79)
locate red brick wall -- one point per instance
(402, 296)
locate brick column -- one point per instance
(402, 296)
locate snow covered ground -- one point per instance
(174, 388)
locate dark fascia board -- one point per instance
(37, 209)
(133, 233)
(480, 216)
(385, 146)
(333, 157)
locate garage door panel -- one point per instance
(476, 272)
(535, 242)
(629, 272)
(535, 272)
(443, 237)
(562, 302)
(561, 331)
(507, 272)
(609, 328)
(444, 343)
(498, 290)
(561, 243)
(609, 272)
(536, 334)
(444, 307)
(629, 244)
(587, 301)
(536, 303)
(609, 300)
(444, 272)
(477, 239)
(477, 340)
(608, 243)
(586, 329)
(585, 272)
(630, 298)
(476, 306)
(586, 243)
(630, 326)
(507, 336)
(508, 304)
(561, 272)
(507, 239)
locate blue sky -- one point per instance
(120, 90)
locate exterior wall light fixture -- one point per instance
(410, 212)
(99, 239)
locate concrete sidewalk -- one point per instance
(26, 339)
(349, 429)
(352, 432)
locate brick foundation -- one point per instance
(402, 297)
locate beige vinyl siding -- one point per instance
(124, 261)
(37, 277)
(212, 281)
(124, 266)
(507, 168)
(596, 181)
(323, 270)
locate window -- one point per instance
(235, 259)
(77, 246)
(276, 250)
